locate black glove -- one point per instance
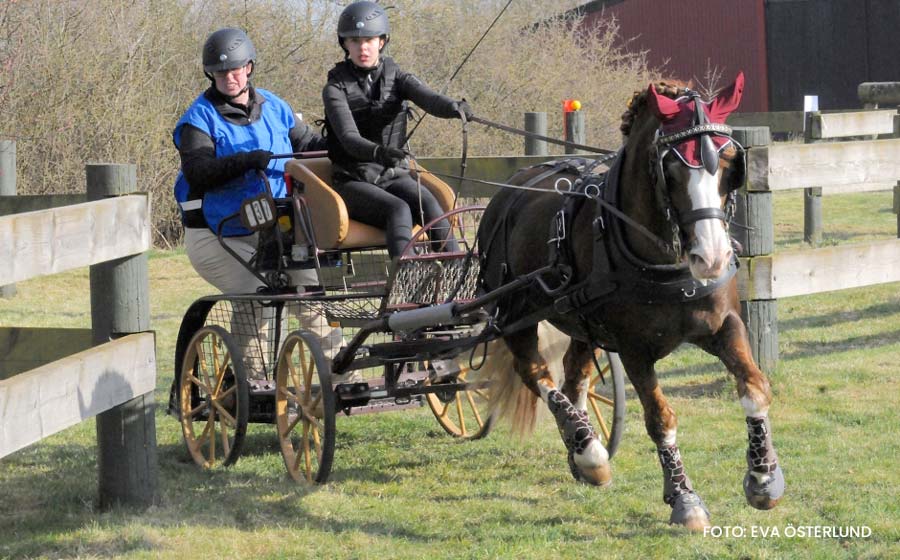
(389, 156)
(258, 159)
(463, 106)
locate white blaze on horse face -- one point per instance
(711, 250)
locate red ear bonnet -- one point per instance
(663, 107)
(727, 101)
(678, 114)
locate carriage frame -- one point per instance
(418, 330)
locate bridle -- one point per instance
(709, 154)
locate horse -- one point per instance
(639, 260)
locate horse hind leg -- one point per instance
(587, 458)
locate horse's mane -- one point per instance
(672, 89)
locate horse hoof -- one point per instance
(764, 490)
(595, 475)
(690, 512)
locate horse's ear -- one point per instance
(727, 100)
(664, 108)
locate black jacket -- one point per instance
(367, 108)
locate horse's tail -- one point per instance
(509, 398)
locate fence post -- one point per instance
(7, 188)
(812, 196)
(754, 210)
(536, 123)
(574, 129)
(126, 434)
(897, 206)
(897, 186)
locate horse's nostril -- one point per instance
(697, 259)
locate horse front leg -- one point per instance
(764, 481)
(587, 458)
(688, 508)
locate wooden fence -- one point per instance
(814, 167)
(112, 374)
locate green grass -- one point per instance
(401, 488)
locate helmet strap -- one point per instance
(238, 94)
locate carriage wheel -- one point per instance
(213, 398)
(304, 409)
(462, 414)
(608, 400)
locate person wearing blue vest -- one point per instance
(225, 139)
(366, 111)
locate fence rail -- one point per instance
(824, 124)
(818, 167)
(835, 164)
(51, 241)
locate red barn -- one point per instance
(786, 48)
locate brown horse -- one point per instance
(641, 262)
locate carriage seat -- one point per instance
(332, 226)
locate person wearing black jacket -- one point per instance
(366, 111)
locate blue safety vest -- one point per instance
(270, 132)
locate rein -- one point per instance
(528, 134)
(591, 192)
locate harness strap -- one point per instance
(706, 128)
(704, 214)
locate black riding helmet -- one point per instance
(227, 49)
(363, 19)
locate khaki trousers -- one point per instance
(251, 323)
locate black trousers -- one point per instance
(394, 205)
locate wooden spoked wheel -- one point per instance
(607, 400)
(304, 409)
(464, 413)
(213, 398)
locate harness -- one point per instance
(617, 272)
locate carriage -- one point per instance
(414, 331)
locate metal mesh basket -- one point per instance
(433, 279)
(430, 273)
(357, 271)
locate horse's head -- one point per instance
(694, 168)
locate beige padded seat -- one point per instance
(332, 226)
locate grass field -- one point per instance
(401, 488)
